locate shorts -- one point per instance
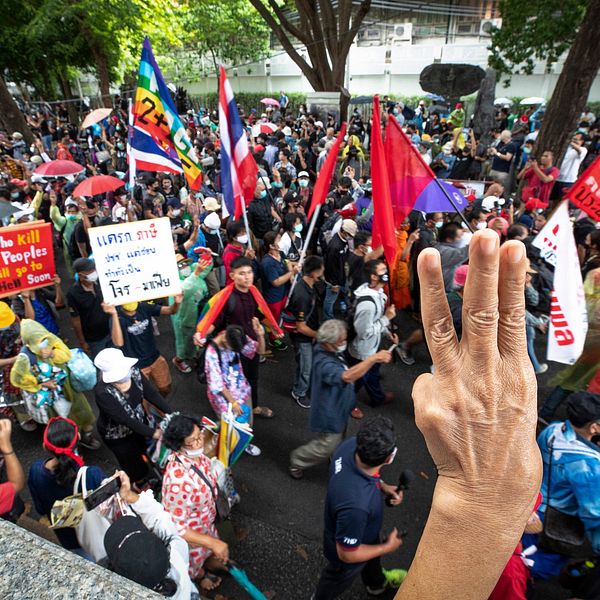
(158, 372)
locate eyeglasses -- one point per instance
(195, 441)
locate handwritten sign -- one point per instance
(585, 192)
(135, 261)
(26, 257)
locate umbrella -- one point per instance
(435, 97)
(242, 580)
(59, 168)
(532, 100)
(270, 102)
(438, 108)
(432, 199)
(268, 128)
(95, 117)
(99, 184)
(503, 101)
(7, 209)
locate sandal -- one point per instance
(209, 582)
(264, 412)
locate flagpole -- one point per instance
(451, 200)
(132, 169)
(309, 234)
(245, 217)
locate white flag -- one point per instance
(568, 316)
(546, 239)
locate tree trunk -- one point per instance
(573, 86)
(12, 117)
(65, 86)
(103, 73)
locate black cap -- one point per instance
(136, 553)
(83, 265)
(583, 408)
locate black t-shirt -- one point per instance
(139, 335)
(303, 305)
(80, 236)
(499, 164)
(355, 270)
(95, 323)
(462, 166)
(240, 308)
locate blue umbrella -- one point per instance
(433, 199)
(435, 97)
(242, 579)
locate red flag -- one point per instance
(324, 179)
(585, 192)
(383, 216)
(408, 173)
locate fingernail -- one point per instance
(432, 260)
(516, 253)
(488, 243)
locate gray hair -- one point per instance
(331, 331)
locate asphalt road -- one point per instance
(278, 524)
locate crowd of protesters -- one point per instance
(340, 320)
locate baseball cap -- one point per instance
(212, 221)
(259, 148)
(113, 363)
(303, 174)
(36, 160)
(319, 123)
(70, 202)
(135, 552)
(583, 408)
(489, 202)
(349, 227)
(460, 276)
(287, 130)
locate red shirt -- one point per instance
(230, 253)
(7, 497)
(538, 189)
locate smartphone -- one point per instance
(108, 489)
(466, 131)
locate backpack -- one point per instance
(201, 373)
(351, 314)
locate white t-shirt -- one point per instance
(569, 169)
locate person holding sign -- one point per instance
(133, 332)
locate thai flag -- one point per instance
(150, 156)
(238, 168)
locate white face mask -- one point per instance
(185, 272)
(368, 249)
(176, 212)
(303, 182)
(341, 348)
(194, 453)
(439, 224)
(126, 378)
(242, 239)
(92, 277)
(481, 225)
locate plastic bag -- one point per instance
(82, 370)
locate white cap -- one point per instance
(303, 174)
(211, 204)
(36, 159)
(319, 123)
(213, 221)
(489, 202)
(114, 364)
(287, 131)
(70, 202)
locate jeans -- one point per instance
(531, 347)
(371, 380)
(303, 352)
(47, 141)
(336, 579)
(553, 401)
(329, 302)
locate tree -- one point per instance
(325, 31)
(544, 30)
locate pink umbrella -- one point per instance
(59, 168)
(95, 117)
(99, 184)
(270, 102)
(268, 128)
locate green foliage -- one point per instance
(532, 31)
(248, 100)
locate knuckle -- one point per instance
(481, 318)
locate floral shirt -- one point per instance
(227, 373)
(190, 502)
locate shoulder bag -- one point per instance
(220, 498)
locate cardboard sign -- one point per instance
(26, 257)
(585, 192)
(135, 261)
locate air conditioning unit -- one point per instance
(403, 33)
(370, 36)
(486, 26)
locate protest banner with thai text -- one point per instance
(26, 257)
(135, 261)
(585, 192)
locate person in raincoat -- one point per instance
(184, 321)
(41, 372)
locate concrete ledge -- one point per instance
(32, 568)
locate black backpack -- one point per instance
(352, 313)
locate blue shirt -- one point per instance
(45, 492)
(332, 399)
(354, 504)
(270, 270)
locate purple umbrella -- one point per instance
(433, 199)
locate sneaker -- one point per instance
(393, 580)
(405, 355)
(279, 345)
(30, 425)
(252, 450)
(87, 440)
(543, 368)
(301, 401)
(262, 359)
(357, 413)
(182, 366)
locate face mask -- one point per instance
(298, 228)
(526, 150)
(120, 146)
(342, 348)
(277, 185)
(368, 249)
(176, 212)
(185, 272)
(14, 194)
(92, 277)
(439, 224)
(262, 194)
(242, 239)
(303, 183)
(213, 231)
(396, 112)
(194, 453)
(292, 187)
(384, 278)
(481, 225)
(72, 217)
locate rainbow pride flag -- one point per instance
(212, 309)
(154, 112)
